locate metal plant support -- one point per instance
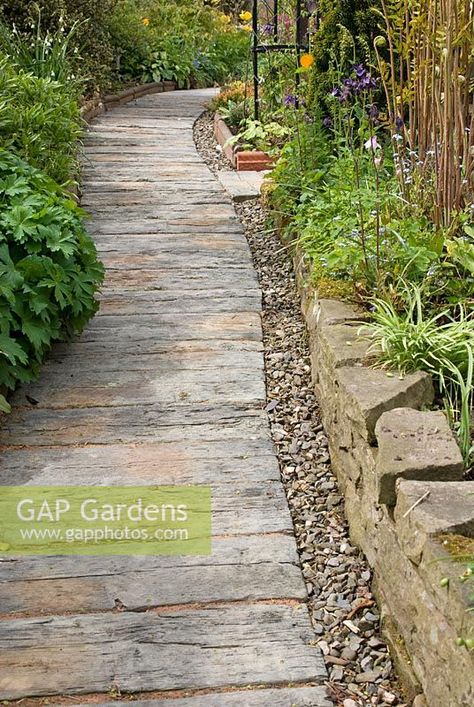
(270, 8)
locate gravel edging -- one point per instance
(342, 608)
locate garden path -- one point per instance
(166, 386)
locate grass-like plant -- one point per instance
(44, 54)
(441, 344)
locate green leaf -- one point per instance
(4, 406)
(12, 350)
(36, 332)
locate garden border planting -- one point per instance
(242, 160)
(400, 470)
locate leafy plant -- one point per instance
(91, 51)
(187, 42)
(49, 270)
(440, 344)
(262, 136)
(40, 121)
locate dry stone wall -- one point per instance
(400, 469)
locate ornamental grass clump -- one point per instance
(441, 344)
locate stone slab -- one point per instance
(448, 508)
(414, 445)
(241, 186)
(366, 393)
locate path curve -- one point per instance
(166, 386)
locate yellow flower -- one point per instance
(245, 16)
(246, 28)
(225, 19)
(146, 21)
(215, 2)
(307, 61)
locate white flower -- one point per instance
(372, 143)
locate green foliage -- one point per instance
(46, 55)
(302, 165)
(49, 271)
(234, 114)
(261, 136)
(186, 42)
(103, 43)
(40, 121)
(441, 344)
(92, 52)
(346, 32)
(360, 232)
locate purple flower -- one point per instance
(399, 123)
(267, 29)
(352, 86)
(341, 93)
(359, 70)
(373, 112)
(327, 122)
(290, 100)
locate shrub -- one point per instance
(49, 271)
(40, 121)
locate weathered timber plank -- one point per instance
(172, 360)
(119, 197)
(180, 227)
(93, 388)
(242, 509)
(241, 568)
(163, 463)
(277, 697)
(233, 325)
(192, 209)
(151, 184)
(143, 303)
(133, 350)
(178, 280)
(168, 261)
(175, 358)
(133, 423)
(209, 647)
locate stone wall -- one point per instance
(400, 470)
